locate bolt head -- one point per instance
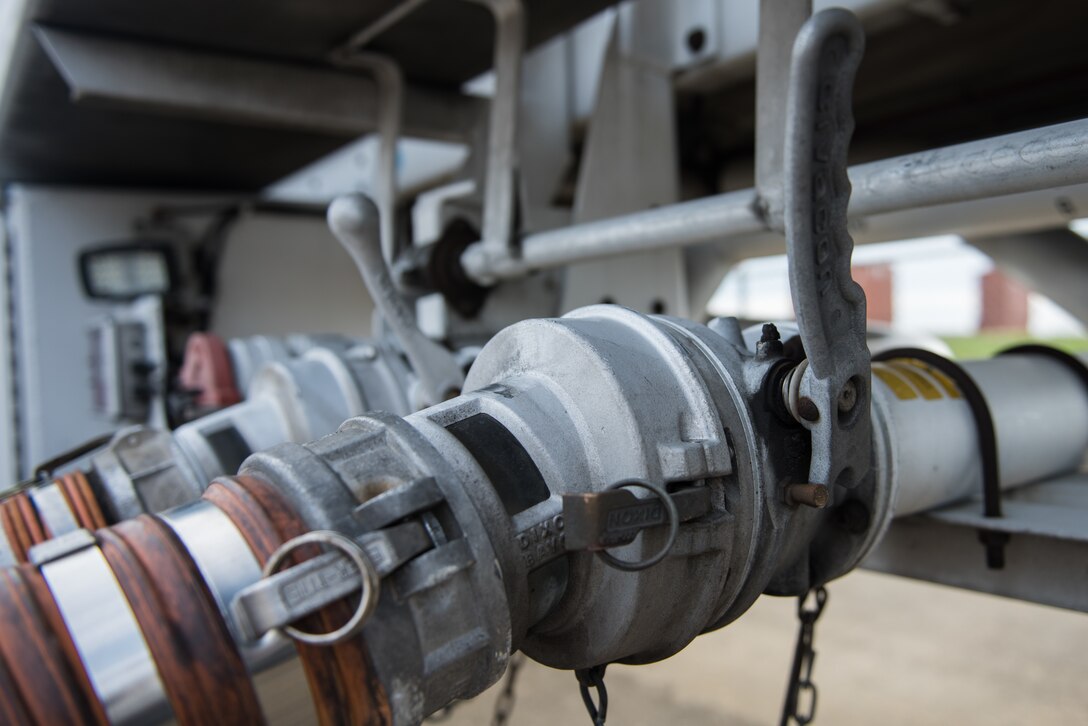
(811, 495)
(848, 397)
(807, 410)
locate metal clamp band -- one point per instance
(108, 638)
(223, 558)
(53, 509)
(228, 566)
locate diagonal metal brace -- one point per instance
(830, 306)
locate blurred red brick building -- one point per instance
(879, 285)
(1004, 303)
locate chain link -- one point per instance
(801, 682)
(593, 678)
(443, 715)
(504, 704)
(804, 656)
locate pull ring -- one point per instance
(368, 600)
(674, 527)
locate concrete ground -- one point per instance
(890, 652)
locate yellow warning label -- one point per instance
(947, 384)
(925, 386)
(894, 382)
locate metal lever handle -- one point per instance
(282, 597)
(830, 306)
(597, 521)
(354, 220)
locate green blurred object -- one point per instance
(986, 345)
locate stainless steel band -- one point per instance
(53, 509)
(54, 512)
(7, 554)
(106, 634)
(227, 565)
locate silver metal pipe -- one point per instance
(502, 134)
(1051, 156)
(1026, 161)
(686, 223)
(779, 21)
(390, 81)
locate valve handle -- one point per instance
(354, 220)
(830, 306)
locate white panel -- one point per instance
(48, 227)
(280, 274)
(287, 274)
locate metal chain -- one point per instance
(504, 704)
(443, 715)
(593, 678)
(804, 656)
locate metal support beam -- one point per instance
(502, 136)
(152, 78)
(1028, 212)
(1052, 261)
(677, 225)
(630, 163)
(1044, 559)
(1027, 161)
(390, 111)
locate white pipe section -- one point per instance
(297, 400)
(924, 435)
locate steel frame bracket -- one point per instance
(152, 78)
(500, 179)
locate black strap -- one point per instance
(993, 541)
(1072, 362)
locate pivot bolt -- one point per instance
(770, 342)
(807, 409)
(811, 495)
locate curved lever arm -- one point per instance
(830, 306)
(354, 220)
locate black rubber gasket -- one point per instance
(448, 277)
(229, 446)
(512, 472)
